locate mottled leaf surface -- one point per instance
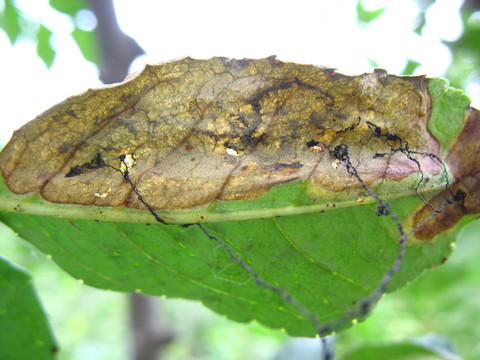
(217, 130)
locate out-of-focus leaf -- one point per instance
(466, 52)
(421, 20)
(426, 348)
(9, 21)
(411, 66)
(242, 145)
(44, 48)
(367, 16)
(69, 7)
(373, 63)
(88, 44)
(24, 329)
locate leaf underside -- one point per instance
(327, 261)
(234, 144)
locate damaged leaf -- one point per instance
(259, 150)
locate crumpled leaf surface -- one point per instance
(223, 140)
(203, 131)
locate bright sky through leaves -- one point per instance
(169, 30)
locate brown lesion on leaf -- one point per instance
(464, 195)
(219, 129)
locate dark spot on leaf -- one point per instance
(64, 148)
(94, 164)
(278, 166)
(318, 119)
(312, 143)
(72, 113)
(460, 196)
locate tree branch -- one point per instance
(117, 49)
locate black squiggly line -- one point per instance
(340, 152)
(283, 293)
(351, 127)
(126, 176)
(403, 148)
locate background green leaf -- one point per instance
(365, 16)
(427, 348)
(44, 48)
(466, 52)
(69, 7)
(410, 67)
(23, 324)
(87, 43)
(9, 21)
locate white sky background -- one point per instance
(313, 32)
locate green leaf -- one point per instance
(430, 347)
(9, 21)
(69, 7)
(24, 329)
(327, 261)
(465, 51)
(87, 42)
(411, 66)
(448, 112)
(367, 16)
(44, 48)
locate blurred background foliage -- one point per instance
(441, 305)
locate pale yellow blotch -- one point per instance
(336, 164)
(127, 163)
(104, 194)
(360, 199)
(316, 149)
(232, 152)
